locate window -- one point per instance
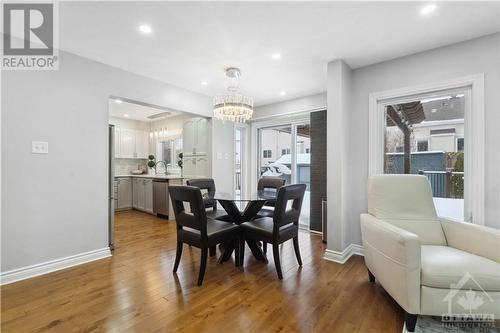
(460, 144)
(285, 151)
(420, 138)
(422, 145)
(308, 150)
(267, 153)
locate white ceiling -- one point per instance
(135, 111)
(192, 42)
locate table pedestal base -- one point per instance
(238, 217)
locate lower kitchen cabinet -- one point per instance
(143, 194)
(123, 193)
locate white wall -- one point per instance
(338, 129)
(471, 57)
(55, 205)
(223, 155)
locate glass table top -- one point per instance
(254, 196)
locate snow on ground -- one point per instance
(450, 208)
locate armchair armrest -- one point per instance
(472, 238)
(393, 256)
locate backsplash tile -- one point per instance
(124, 166)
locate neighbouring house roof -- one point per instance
(301, 159)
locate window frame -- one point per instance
(474, 164)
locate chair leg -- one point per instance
(297, 251)
(264, 247)
(203, 265)
(212, 251)
(242, 249)
(371, 277)
(237, 256)
(411, 322)
(276, 254)
(178, 254)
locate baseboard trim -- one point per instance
(52, 266)
(342, 257)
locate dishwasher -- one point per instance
(160, 197)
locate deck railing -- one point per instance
(445, 184)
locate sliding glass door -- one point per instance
(284, 151)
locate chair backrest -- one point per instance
(197, 219)
(205, 184)
(406, 202)
(270, 183)
(283, 216)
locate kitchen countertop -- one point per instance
(151, 176)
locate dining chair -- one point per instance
(195, 229)
(208, 184)
(266, 183)
(283, 226)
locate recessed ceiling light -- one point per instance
(276, 56)
(145, 29)
(427, 9)
(118, 101)
(282, 93)
(204, 83)
(434, 110)
(125, 115)
(459, 95)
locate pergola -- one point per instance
(404, 116)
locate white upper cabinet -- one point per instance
(117, 142)
(127, 143)
(195, 137)
(131, 143)
(141, 144)
(188, 137)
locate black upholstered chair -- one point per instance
(283, 226)
(267, 183)
(195, 229)
(208, 184)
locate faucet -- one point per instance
(164, 164)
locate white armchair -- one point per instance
(426, 263)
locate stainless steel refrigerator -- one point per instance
(111, 187)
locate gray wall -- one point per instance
(55, 205)
(471, 57)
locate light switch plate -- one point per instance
(39, 147)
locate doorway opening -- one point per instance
(285, 152)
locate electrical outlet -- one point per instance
(39, 147)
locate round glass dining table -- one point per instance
(254, 203)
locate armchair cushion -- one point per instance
(444, 265)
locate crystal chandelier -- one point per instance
(233, 106)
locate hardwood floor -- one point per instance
(136, 291)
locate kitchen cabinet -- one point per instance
(143, 194)
(195, 166)
(141, 144)
(127, 143)
(131, 143)
(196, 148)
(196, 136)
(123, 193)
